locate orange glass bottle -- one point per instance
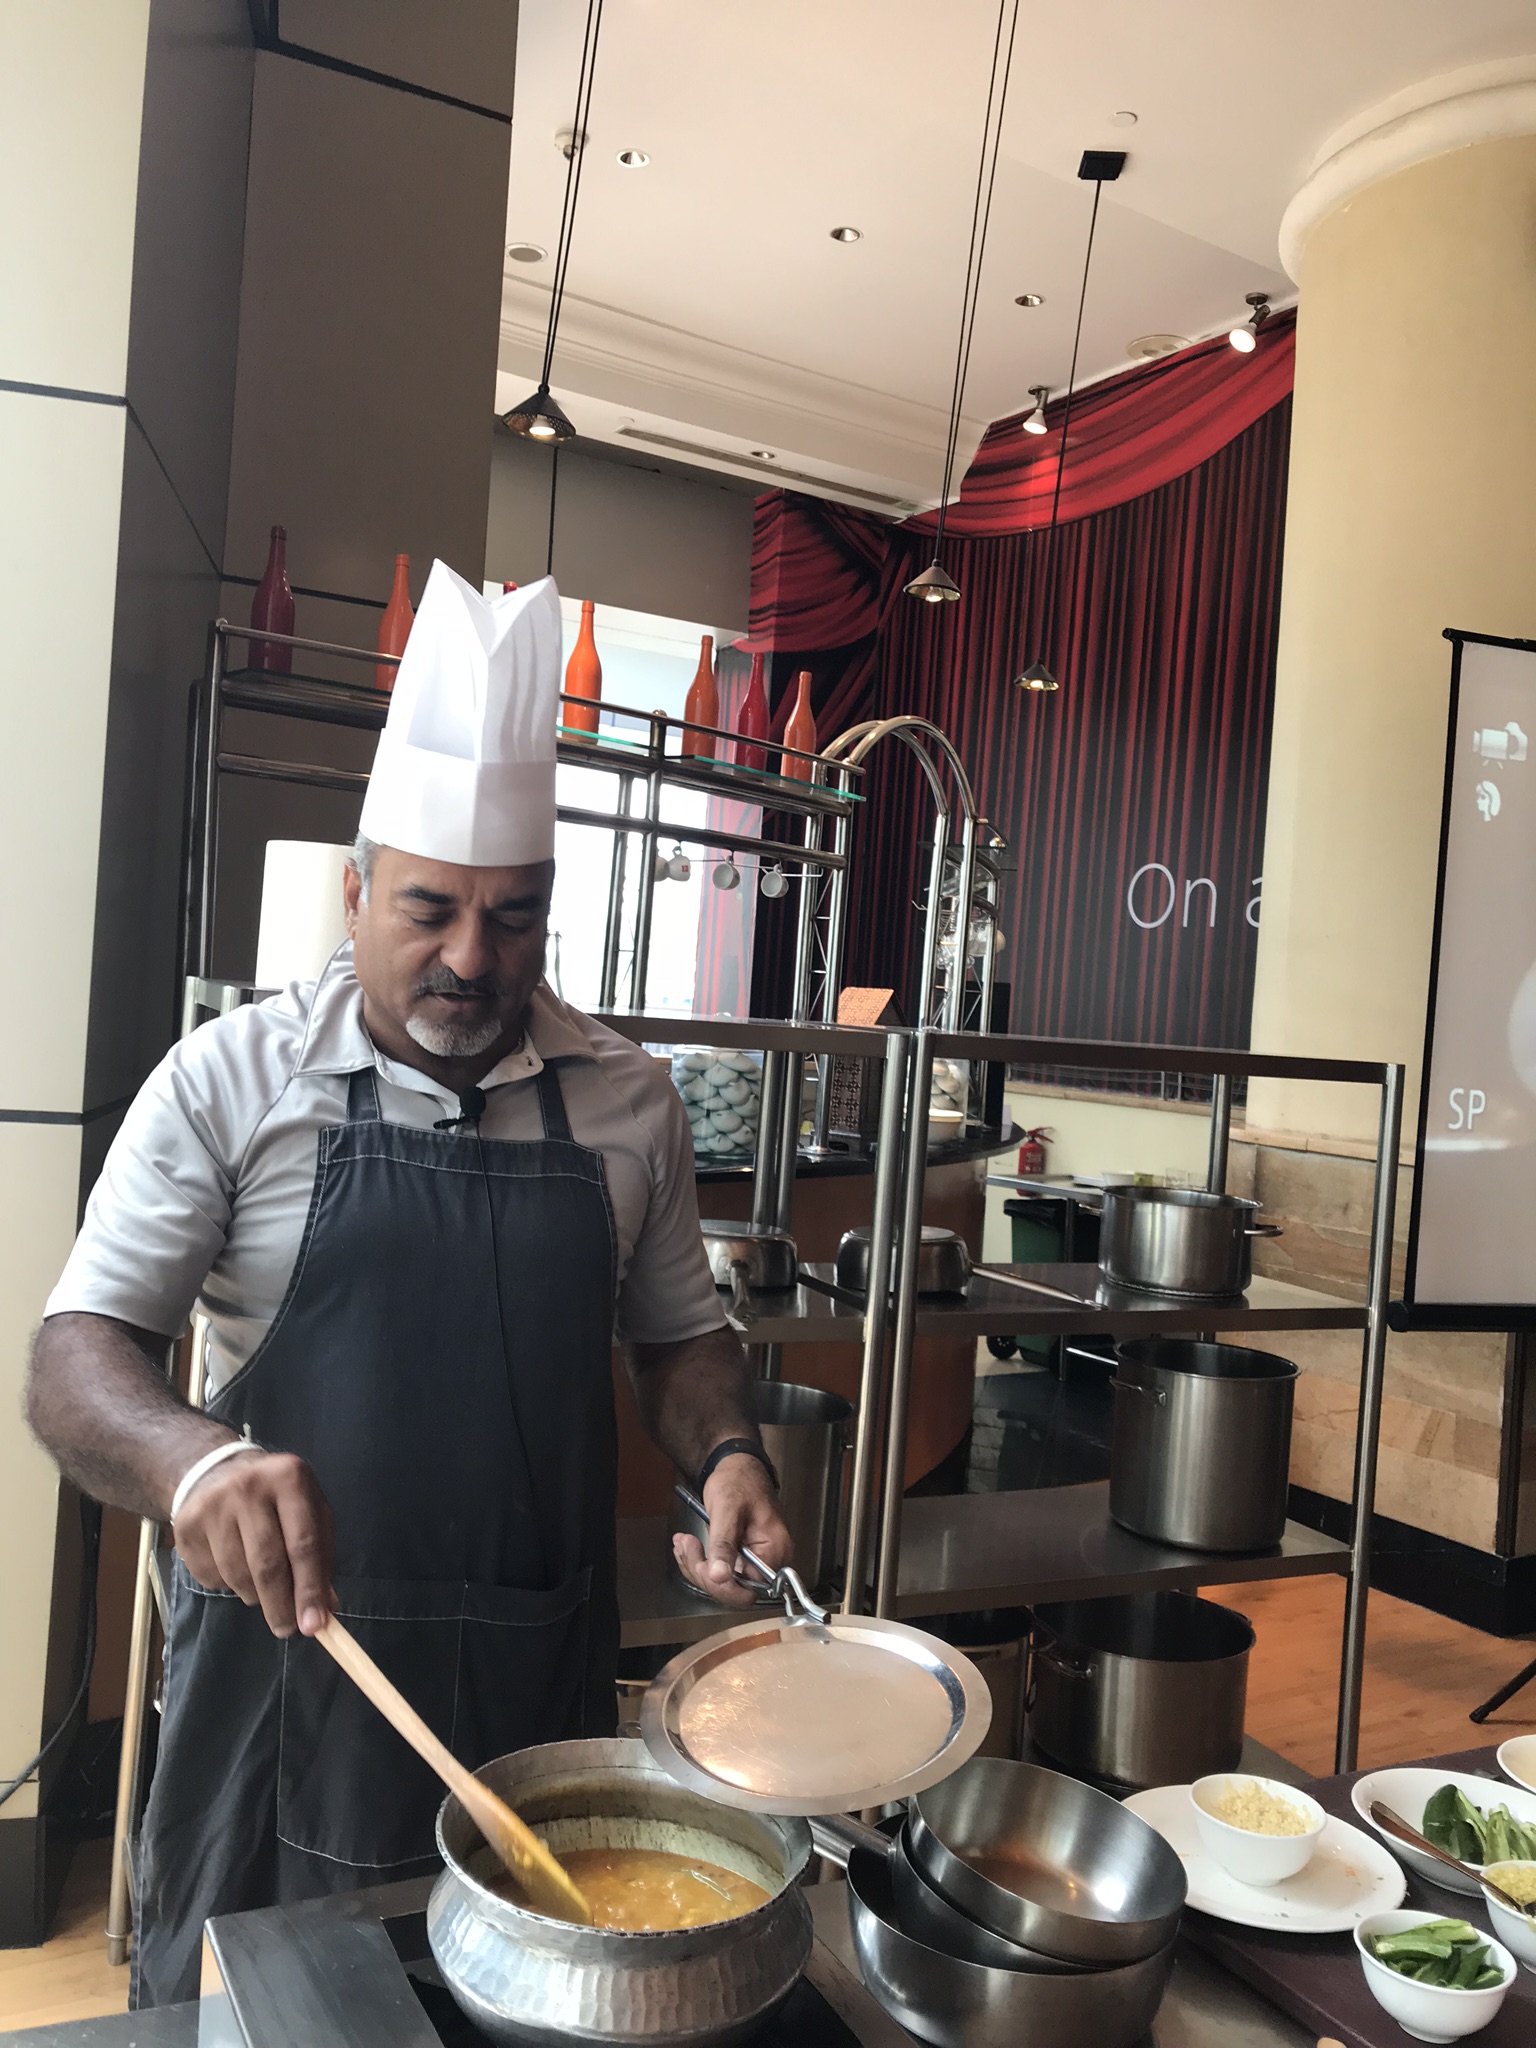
(752, 721)
(395, 626)
(583, 679)
(800, 731)
(703, 704)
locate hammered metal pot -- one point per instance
(520, 1977)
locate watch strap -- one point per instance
(734, 1447)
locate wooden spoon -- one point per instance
(1394, 1824)
(548, 1886)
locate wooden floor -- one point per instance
(1422, 1675)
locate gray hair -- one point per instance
(364, 851)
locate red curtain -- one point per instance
(1133, 799)
(1129, 435)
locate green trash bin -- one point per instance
(1039, 1225)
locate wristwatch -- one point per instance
(734, 1447)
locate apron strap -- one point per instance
(552, 1104)
(363, 1098)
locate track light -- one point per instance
(540, 418)
(1037, 422)
(933, 585)
(1245, 339)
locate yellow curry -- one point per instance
(647, 1891)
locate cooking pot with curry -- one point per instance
(700, 1928)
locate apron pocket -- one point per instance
(474, 1661)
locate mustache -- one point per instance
(442, 981)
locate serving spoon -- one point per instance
(1393, 1824)
(547, 1884)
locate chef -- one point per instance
(416, 1200)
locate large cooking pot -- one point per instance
(520, 1977)
(1201, 1451)
(1145, 1689)
(1179, 1241)
(952, 2003)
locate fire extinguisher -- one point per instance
(1032, 1153)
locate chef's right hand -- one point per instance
(260, 1527)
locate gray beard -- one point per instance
(453, 1041)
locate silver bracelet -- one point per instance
(204, 1466)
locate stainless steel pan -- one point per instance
(767, 1256)
(943, 1262)
(920, 1911)
(953, 2003)
(1046, 1862)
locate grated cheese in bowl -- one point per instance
(1249, 1806)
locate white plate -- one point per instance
(1349, 1876)
(1517, 1760)
(1406, 1789)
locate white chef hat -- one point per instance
(465, 769)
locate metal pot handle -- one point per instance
(1264, 1230)
(1059, 1662)
(837, 1835)
(1157, 1394)
(784, 1584)
(741, 1312)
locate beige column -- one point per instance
(1412, 508)
(71, 89)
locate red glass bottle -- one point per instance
(272, 608)
(395, 626)
(584, 679)
(702, 706)
(800, 731)
(752, 720)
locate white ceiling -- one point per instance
(707, 304)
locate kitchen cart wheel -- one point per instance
(1003, 1347)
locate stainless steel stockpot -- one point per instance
(1179, 1241)
(520, 1977)
(1141, 1689)
(1201, 1450)
(952, 2003)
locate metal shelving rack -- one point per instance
(1011, 1524)
(644, 754)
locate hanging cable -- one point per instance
(90, 1537)
(933, 583)
(573, 170)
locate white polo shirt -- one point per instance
(206, 1188)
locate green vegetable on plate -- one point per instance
(1447, 1954)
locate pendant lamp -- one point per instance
(935, 585)
(1102, 167)
(541, 417)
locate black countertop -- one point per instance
(835, 1164)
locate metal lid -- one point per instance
(805, 1717)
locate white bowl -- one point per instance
(1251, 1858)
(1517, 1931)
(1430, 2012)
(1407, 1789)
(1517, 1760)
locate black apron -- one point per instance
(442, 1360)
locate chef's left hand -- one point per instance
(743, 1508)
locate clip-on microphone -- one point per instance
(471, 1109)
